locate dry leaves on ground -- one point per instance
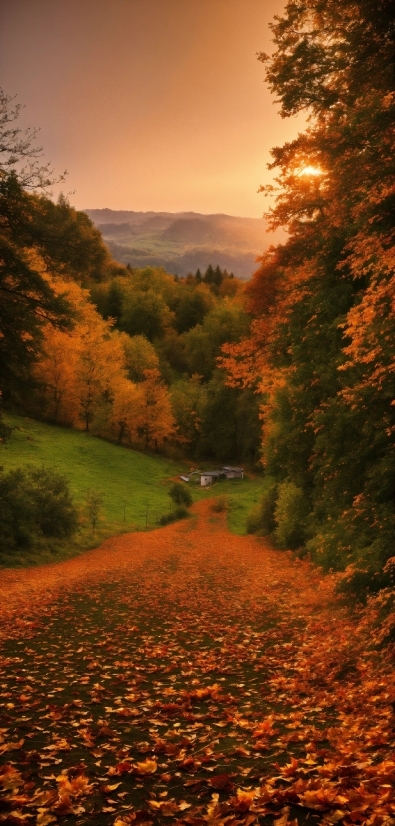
(188, 675)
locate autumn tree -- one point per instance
(125, 416)
(155, 422)
(79, 369)
(55, 372)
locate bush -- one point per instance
(261, 518)
(34, 503)
(54, 509)
(17, 517)
(253, 524)
(180, 494)
(173, 516)
(290, 515)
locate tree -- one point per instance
(226, 322)
(155, 421)
(190, 304)
(140, 355)
(144, 312)
(100, 364)
(55, 373)
(94, 504)
(108, 298)
(78, 370)
(28, 298)
(125, 409)
(68, 241)
(188, 400)
(19, 155)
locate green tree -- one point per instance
(140, 355)
(69, 242)
(188, 401)
(226, 322)
(145, 313)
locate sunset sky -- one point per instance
(149, 104)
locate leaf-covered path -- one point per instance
(189, 675)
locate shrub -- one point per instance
(290, 515)
(179, 513)
(180, 494)
(253, 524)
(55, 512)
(34, 503)
(261, 517)
(17, 513)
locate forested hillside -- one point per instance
(322, 338)
(122, 353)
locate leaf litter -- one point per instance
(191, 676)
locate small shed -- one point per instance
(233, 472)
(208, 477)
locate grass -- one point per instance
(134, 486)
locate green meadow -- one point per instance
(133, 485)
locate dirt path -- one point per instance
(189, 675)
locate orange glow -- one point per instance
(148, 105)
(310, 170)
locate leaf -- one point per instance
(146, 767)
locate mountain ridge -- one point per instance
(183, 241)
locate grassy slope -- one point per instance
(134, 485)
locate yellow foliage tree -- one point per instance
(78, 369)
(155, 422)
(127, 401)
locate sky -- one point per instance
(149, 104)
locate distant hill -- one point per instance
(183, 241)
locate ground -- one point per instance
(192, 676)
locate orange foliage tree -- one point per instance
(154, 422)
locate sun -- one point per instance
(309, 170)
